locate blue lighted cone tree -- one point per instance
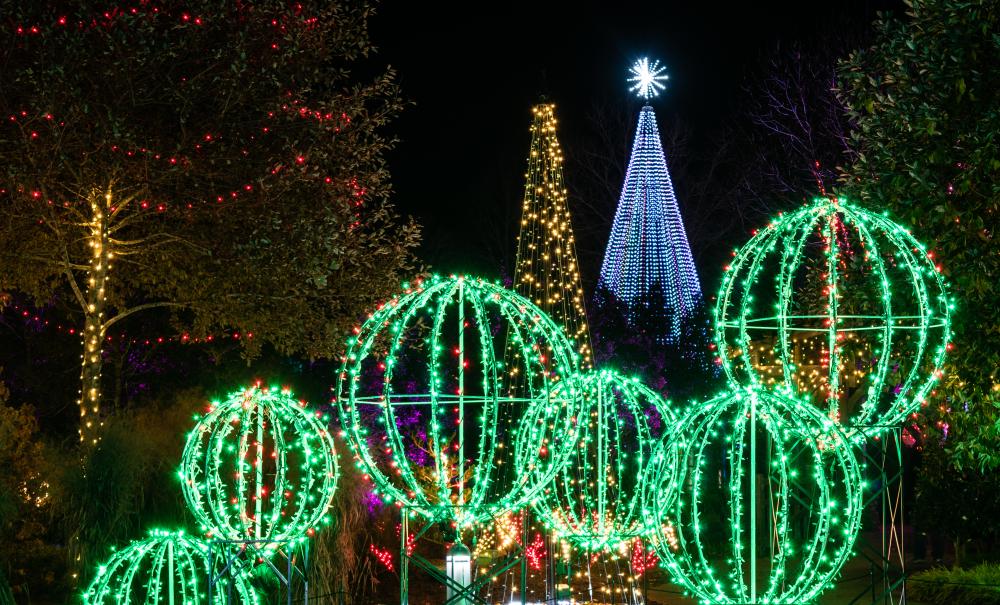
(648, 243)
(547, 271)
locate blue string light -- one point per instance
(648, 244)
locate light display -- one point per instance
(594, 500)
(425, 405)
(547, 272)
(647, 80)
(648, 245)
(763, 495)
(261, 467)
(839, 303)
(167, 567)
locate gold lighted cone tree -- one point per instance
(547, 271)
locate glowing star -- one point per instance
(647, 79)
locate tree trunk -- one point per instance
(93, 328)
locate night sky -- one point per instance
(463, 143)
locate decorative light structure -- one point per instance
(426, 408)
(790, 492)
(547, 271)
(167, 567)
(647, 80)
(838, 303)
(260, 467)
(648, 245)
(594, 502)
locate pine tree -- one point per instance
(648, 243)
(547, 271)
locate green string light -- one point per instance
(260, 466)
(755, 498)
(431, 412)
(167, 568)
(833, 299)
(593, 502)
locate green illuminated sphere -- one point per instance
(167, 567)
(434, 389)
(594, 501)
(839, 304)
(754, 472)
(260, 466)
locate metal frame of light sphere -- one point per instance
(427, 371)
(711, 460)
(260, 466)
(878, 303)
(594, 501)
(167, 567)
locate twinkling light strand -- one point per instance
(547, 271)
(260, 466)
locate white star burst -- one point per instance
(646, 79)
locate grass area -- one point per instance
(941, 586)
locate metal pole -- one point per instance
(753, 498)
(170, 570)
(524, 557)
(461, 393)
(404, 561)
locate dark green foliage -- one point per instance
(977, 586)
(632, 340)
(925, 103)
(128, 483)
(225, 153)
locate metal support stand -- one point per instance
(288, 562)
(887, 556)
(459, 594)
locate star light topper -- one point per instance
(646, 79)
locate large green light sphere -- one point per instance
(594, 501)
(754, 498)
(434, 389)
(166, 567)
(841, 304)
(260, 466)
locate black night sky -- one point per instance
(473, 71)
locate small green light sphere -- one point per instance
(435, 388)
(840, 304)
(594, 501)
(167, 567)
(755, 498)
(260, 466)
